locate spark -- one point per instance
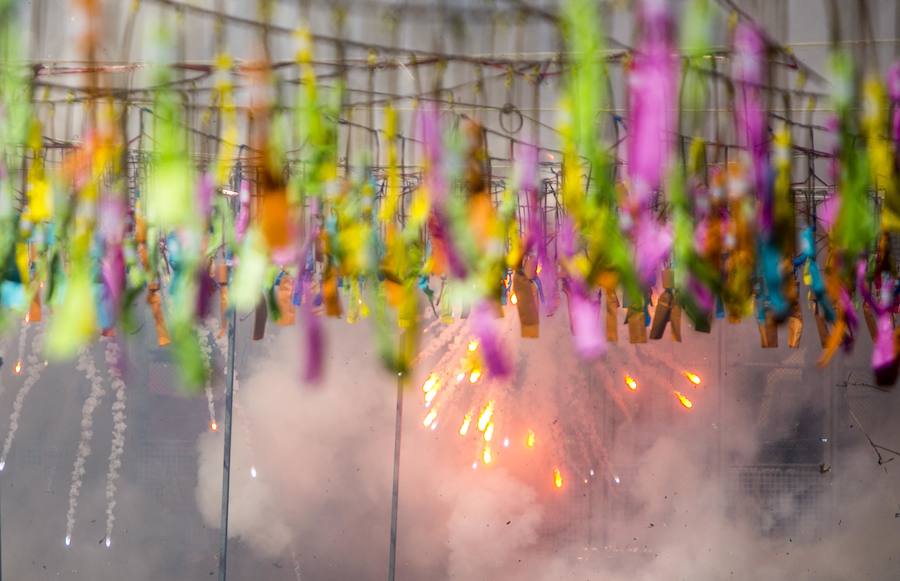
(489, 432)
(18, 369)
(539, 265)
(27, 317)
(68, 540)
(460, 376)
(475, 375)
(434, 426)
(688, 404)
(253, 472)
(108, 542)
(513, 299)
(429, 396)
(692, 377)
(473, 345)
(467, 421)
(486, 455)
(213, 426)
(2, 465)
(485, 418)
(506, 442)
(631, 383)
(432, 415)
(430, 383)
(474, 465)
(617, 480)
(529, 440)
(557, 478)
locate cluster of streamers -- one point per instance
(114, 363)
(86, 364)
(33, 369)
(711, 240)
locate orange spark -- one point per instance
(631, 383)
(430, 383)
(489, 432)
(485, 418)
(432, 415)
(692, 377)
(486, 456)
(529, 441)
(467, 421)
(475, 376)
(688, 404)
(473, 345)
(513, 299)
(18, 368)
(557, 478)
(213, 426)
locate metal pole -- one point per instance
(395, 491)
(226, 462)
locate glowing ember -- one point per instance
(485, 418)
(688, 404)
(432, 415)
(489, 432)
(631, 383)
(513, 299)
(18, 368)
(486, 456)
(692, 377)
(430, 383)
(473, 345)
(557, 478)
(529, 441)
(475, 376)
(213, 426)
(464, 428)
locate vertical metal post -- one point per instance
(226, 462)
(395, 491)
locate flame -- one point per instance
(557, 478)
(432, 415)
(529, 441)
(430, 383)
(489, 432)
(631, 383)
(467, 421)
(18, 368)
(692, 377)
(213, 426)
(485, 418)
(475, 375)
(486, 456)
(473, 345)
(513, 299)
(688, 404)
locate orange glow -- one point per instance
(557, 478)
(467, 421)
(529, 440)
(213, 426)
(539, 268)
(432, 415)
(486, 455)
(513, 299)
(27, 317)
(485, 418)
(430, 383)
(692, 377)
(688, 404)
(489, 432)
(18, 368)
(473, 345)
(475, 376)
(631, 383)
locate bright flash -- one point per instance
(631, 383)
(557, 478)
(692, 377)
(486, 456)
(513, 299)
(485, 418)
(489, 432)
(464, 428)
(213, 426)
(430, 383)
(18, 368)
(473, 345)
(688, 404)
(432, 415)
(475, 376)
(529, 441)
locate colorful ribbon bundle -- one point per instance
(300, 241)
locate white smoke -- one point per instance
(117, 383)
